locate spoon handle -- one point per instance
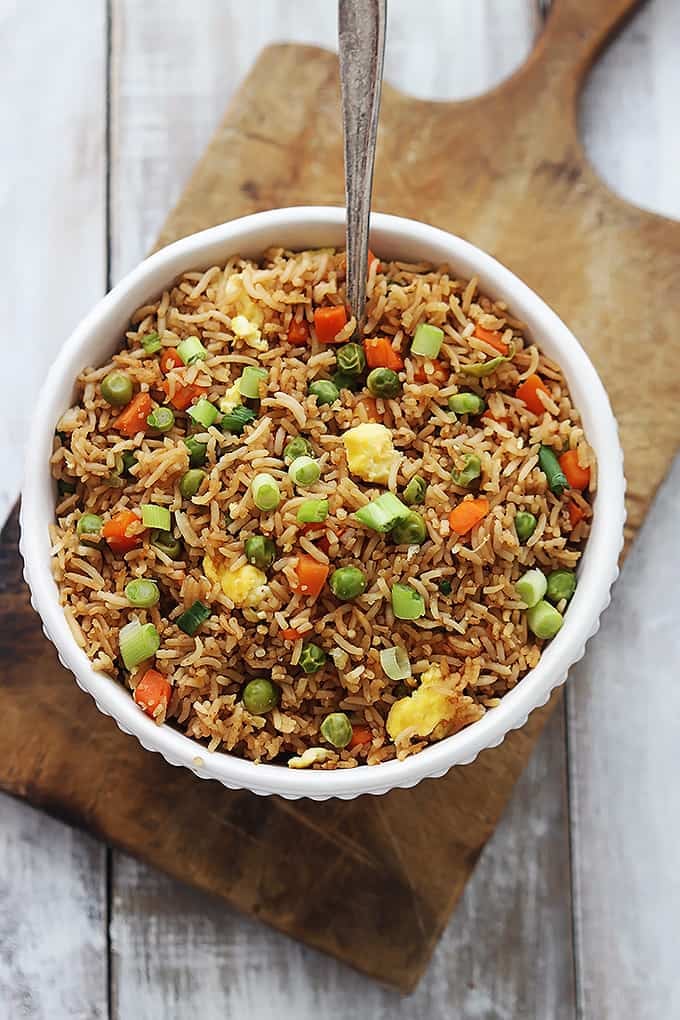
(361, 38)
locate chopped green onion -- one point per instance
(204, 412)
(260, 551)
(531, 587)
(445, 587)
(479, 369)
(427, 341)
(129, 461)
(304, 471)
(166, 543)
(466, 403)
(561, 585)
(525, 525)
(347, 583)
(415, 491)
(192, 618)
(260, 696)
(472, 469)
(197, 451)
(142, 593)
(191, 481)
(65, 488)
(550, 466)
(395, 663)
(117, 389)
(236, 420)
(345, 381)
(151, 343)
(383, 382)
(161, 418)
(324, 390)
(266, 492)
(249, 383)
(89, 527)
(313, 511)
(312, 658)
(297, 447)
(382, 513)
(154, 516)
(544, 620)
(351, 359)
(137, 642)
(336, 729)
(191, 350)
(407, 604)
(410, 530)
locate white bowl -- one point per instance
(392, 237)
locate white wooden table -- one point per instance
(573, 909)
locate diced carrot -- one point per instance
(152, 691)
(360, 735)
(298, 332)
(381, 354)
(170, 359)
(371, 259)
(328, 322)
(115, 532)
(528, 392)
(493, 338)
(184, 395)
(578, 477)
(468, 514)
(438, 373)
(290, 634)
(371, 408)
(132, 419)
(576, 513)
(311, 575)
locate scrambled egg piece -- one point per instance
(246, 316)
(309, 757)
(370, 453)
(248, 331)
(246, 586)
(428, 706)
(231, 399)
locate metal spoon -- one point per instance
(361, 39)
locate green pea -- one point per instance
(166, 542)
(197, 452)
(466, 403)
(141, 592)
(415, 491)
(525, 525)
(325, 391)
(347, 583)
(445, 587)
(260, 551)
(297, 447)
(337, 729)
(191, 481)
(260, 696)
(561, 585)
(161, 419)
(89, 527)
(410, 530)
(312, 658)
(472, 469)
(117, 389)
(383, 382)
(351, 359)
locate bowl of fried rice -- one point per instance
(309, 560)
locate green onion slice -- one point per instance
(266, 492)
(382, 513)
(249, 383)
(192, 618)
(480, 369)
(395, 663)
(191, 350)
(137, 642)
(531, 587)
(427, 341)
(142, 592)
(154, 516)
(313, 511)
(407, 603)
(151, 343)
(204, 412)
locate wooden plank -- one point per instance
(624, 701)
(505, 953)
(164, 936)
(52, 214)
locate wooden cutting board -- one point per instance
(507, 171)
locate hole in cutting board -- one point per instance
(454, 49)
(628, 110)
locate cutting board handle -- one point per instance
(576, 31)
